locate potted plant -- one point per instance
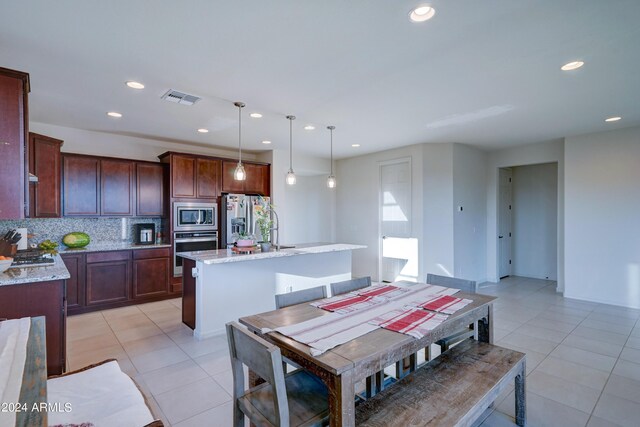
(263, 213)
(244, 239)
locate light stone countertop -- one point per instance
(222, 256)
(20, 275)
(109, 246)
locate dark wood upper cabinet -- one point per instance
(183, 176)
(81, 185)
(14, 118)
(44, 163)
(207, 178)
(116, 187)
(258, 178)
(104, 186)
(150, 189)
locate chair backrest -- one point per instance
(298, 297)
(452, 282)
(262, 358)
(350, 285)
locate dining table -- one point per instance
(343, 366)
(23, 391)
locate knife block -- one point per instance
(8, 249)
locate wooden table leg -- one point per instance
(485, 327)
(521, 396)
(342, 403)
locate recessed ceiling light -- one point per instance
(255, 115)
(114, 114)
(355, 145)
(613, 119)
(422, 13)
(203, 130)
(135, 85)
(309, 127)
(266, 142)
(572, 66)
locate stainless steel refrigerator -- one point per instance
(238, 216)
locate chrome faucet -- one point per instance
(276, 228)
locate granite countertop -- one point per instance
(221, 256)
(110, 246)
(19, 275)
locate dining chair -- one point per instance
(340, 288)
(298, 398)
(298, 297)
(469, 286)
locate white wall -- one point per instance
(602, 206)
(107, 144)
(443, 176)
(535, 220)
(437, 201)
(542, 152)
(307, 209)
(470, 224)
(310, 210)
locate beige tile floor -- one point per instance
(583, 359)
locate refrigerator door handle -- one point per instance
(250, 228)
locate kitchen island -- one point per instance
(220, 286)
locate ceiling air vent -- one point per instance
(180, 97)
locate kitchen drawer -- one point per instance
(108, 256)
(151, 253)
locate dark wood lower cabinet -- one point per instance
(108, 282)
(40, 299)
(150, 277)
(75, 284)
(103, 280)
(188, 294)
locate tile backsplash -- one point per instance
(99, 229)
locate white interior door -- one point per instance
(504, 222)
(398, 258)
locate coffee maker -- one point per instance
(145, 234)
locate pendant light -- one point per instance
(291, 176)
(331, 180)
(239, 174)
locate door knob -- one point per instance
(500, 237)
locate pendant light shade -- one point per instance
(239, 174)
(291, 176)
(331, 179)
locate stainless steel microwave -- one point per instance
(195, 216)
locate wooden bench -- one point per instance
(451, 390)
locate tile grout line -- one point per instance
(611, 373)
(191, 359)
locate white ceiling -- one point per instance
(482, 73)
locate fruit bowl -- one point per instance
(5, 263)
